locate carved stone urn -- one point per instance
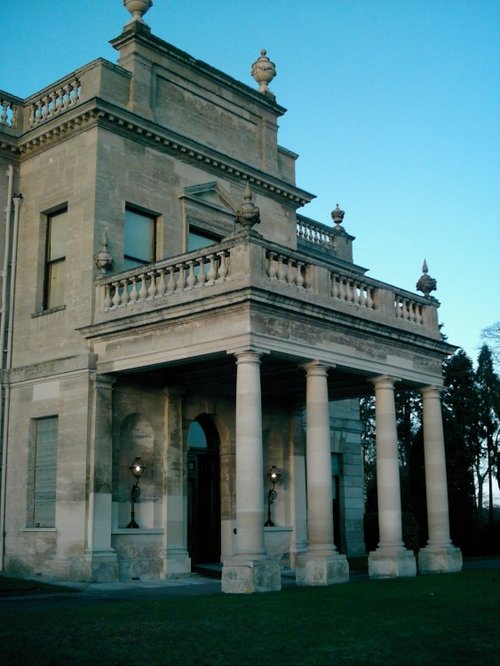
(138, 8)
(264, 71)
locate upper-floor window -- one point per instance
(198, 239)
(57, 228)
(140, 238)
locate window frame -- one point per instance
(153, 218)
(38, 505)
(50, 303)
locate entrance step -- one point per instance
(209, 570)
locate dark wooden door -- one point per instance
(203, 507)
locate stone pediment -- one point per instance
(209, 207)
(211, 195)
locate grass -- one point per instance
(440, 619)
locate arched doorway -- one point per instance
(203, 492)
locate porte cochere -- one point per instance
(174, 329)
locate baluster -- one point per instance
(59, 100)
(133, 290)
(3, 118)
(222, 266)
(418, 312)
(335, 285)
(39, 111)
(45, 107)
(161, 286)
(342, 290)
(76, 89)
(191, 278)
(107, 297)
(271, 267)
(171, 280)
(52, 104)
(348, 292)
(67, 95)
(152, 285)
(201, 272)
(181, 280)
(212, 270)
(300, 277)
(116, 295)
(143, 290)
(362, 295)
(125, 294)
(32, 114)
(289, 277)
(369, 298)
(281, 269)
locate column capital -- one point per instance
(384, 381)
(248, 356)
(316, 367)
(103, 381)
(432, 391)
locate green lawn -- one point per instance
(439, 619)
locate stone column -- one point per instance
(391, 558)
(176, 560)
(320, 564)
(250, 570)
(439, 555)
(101, 562)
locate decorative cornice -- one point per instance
(98, 112)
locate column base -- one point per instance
(391, 562)
(241, 576)
(316, 569)
(176, 563)
(440, 559)
(101, 566)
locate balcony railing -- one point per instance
(246, 261)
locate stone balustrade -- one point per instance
(408, 309)
(53, 102)
(352, 290)
(158, 281)
(236, 263)
(287, 270)
(8, 111)
(316, 233)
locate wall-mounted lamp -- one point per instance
(274, 475)
(137, 468)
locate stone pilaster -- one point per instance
(250, 570)
(101, 561)
(439, 555)
(391, 558)
(321, 564)
(176, 560)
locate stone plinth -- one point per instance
(101, 566)
(321, 570)
(390, 562)
(241, 576)
(435, 559)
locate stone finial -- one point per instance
(338, 217)
(264, 71)
(248, 213)
(138, 8)
(426, 283)
(103, 259)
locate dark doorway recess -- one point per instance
(203, 492)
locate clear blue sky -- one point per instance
(393, 107)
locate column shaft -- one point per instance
(249, 457)
(435, 469)
(388, 482)
(318, 461)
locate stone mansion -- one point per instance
(182, 351)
